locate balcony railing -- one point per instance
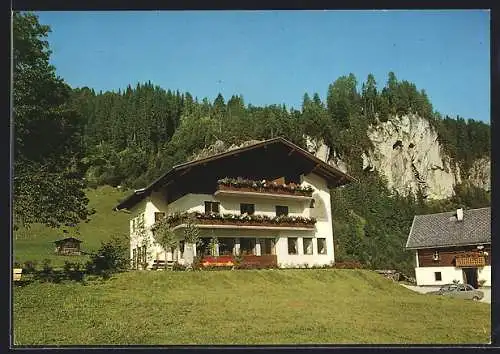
(245, 220)
(240, 185)
(470, 261)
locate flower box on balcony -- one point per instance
(254, 220)
(244, 185)
(251, 223)
(241, 220)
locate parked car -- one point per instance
(461, 291)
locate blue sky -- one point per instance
(276, 56)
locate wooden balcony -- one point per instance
(260, 189)
(470, 261)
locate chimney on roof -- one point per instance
(460, 214)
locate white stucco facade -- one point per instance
(323, 214)
(426, 276)
(300, 259)
(145, 211)
(485, 273)
(230, 204)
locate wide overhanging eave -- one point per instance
(444, 245)
(130, 201)
(333, 176)
(140, 194)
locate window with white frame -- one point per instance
(266, 246)
(139, 224)
(144, 254)
(307, 244)
(247, 245)
(134, 258)
(212, 207)
(141, 255)
(321, 245)
(159, 215)
(281, 210)
(226, 246)
(247, 209)
(292, 245)
(138, 256)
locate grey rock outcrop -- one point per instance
(408, 154)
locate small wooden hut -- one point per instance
(69, 246)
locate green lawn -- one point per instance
(243, 307)
(37, 243)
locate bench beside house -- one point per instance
(452, 246)
(17, 274)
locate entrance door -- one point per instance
(470, 276)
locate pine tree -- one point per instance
(219, 112)
(391, 92)
(369, 94)
(343, 100)
(306, 101)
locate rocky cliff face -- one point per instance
(407, 152)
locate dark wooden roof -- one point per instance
(275, 157)
(68, 239)
(444, 230)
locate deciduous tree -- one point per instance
(48, 178)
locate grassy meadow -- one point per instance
(37, 242)
(335, 306)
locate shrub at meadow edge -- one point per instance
(112, 257)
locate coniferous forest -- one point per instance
(131, 136)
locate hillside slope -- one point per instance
(36, 244)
